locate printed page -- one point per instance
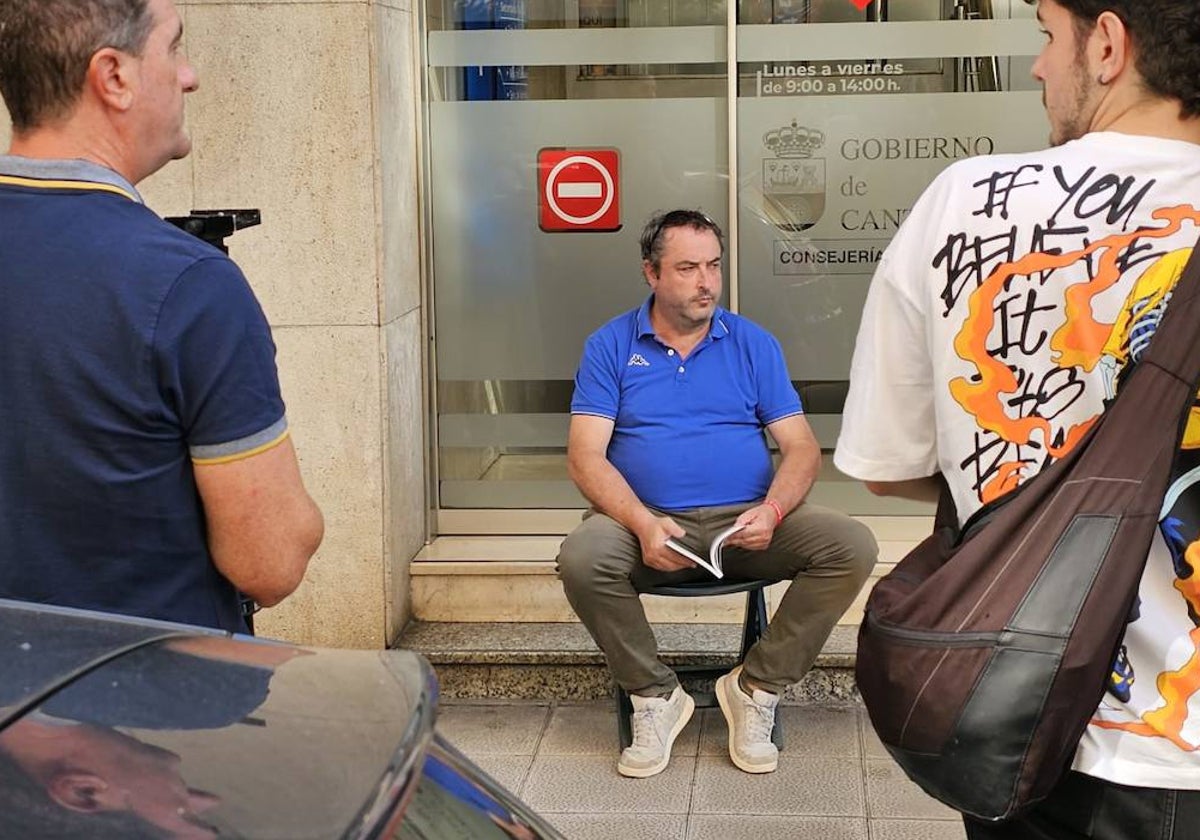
(694, 557)
(714, 551)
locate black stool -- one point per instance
(752, 629)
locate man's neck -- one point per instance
(1146, 116)
(683, 337)
(69, 142)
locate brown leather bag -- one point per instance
(982, 656)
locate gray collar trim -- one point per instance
(47, 169)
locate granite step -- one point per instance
(559, 661)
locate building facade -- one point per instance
(451, 199)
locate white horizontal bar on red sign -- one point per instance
(585, 190)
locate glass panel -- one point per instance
(514, 302)
(845, 114)
(841, 126)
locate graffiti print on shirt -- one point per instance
(1046, 318)
(1168, 717)
(1030, 348)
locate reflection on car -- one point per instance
(112, 727)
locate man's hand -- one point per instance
(607, 490)
(758, 527)
(653, 536)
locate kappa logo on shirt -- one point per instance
(637, 360)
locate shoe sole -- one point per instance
(745, 767)
(689, 706)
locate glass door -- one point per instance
(635, 87)
(806, 128)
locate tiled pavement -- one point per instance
(834, 782)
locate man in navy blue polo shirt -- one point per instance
(145, 462)
(666, 441)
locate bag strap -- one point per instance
(1175, 347)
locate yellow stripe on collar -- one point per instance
(40, 183)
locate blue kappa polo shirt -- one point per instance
(129, 350)
(688, 433)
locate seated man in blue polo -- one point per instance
(666, 441)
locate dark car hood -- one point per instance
(42, 649)
(238, 718)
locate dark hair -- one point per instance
(660, 223)
(28, 812)
(46, 46)
(1166, 40)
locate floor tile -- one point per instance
(872, 746)
(737, 827)
(623, 826)
(508, 770)
(835, 780)
(493, 729)
(810, 786)
(891, 794)
(581, 784)
(917, 830)
(808, 731)
(591, 729)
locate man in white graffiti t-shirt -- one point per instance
(983, 358)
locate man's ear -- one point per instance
(110, 78)
(79, 790)
(1110, 48)
(648, 272)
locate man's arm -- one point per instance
(926, 489)
(608, 491)
(799, 463)
(262, 525)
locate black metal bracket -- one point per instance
(214, 226)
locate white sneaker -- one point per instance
(751, 719)
(657, 721)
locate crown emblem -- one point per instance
(794, 141)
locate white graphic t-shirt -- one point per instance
(1000, 319)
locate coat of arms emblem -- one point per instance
(794, 180)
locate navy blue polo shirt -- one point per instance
(128, 351)
(688, 433)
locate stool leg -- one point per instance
(624, 713)
(755, 622)
(760, 606)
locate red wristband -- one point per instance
(775, 507)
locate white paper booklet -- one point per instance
(713, 563)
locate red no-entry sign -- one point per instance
(579, 189)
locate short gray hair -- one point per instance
(47, 45)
